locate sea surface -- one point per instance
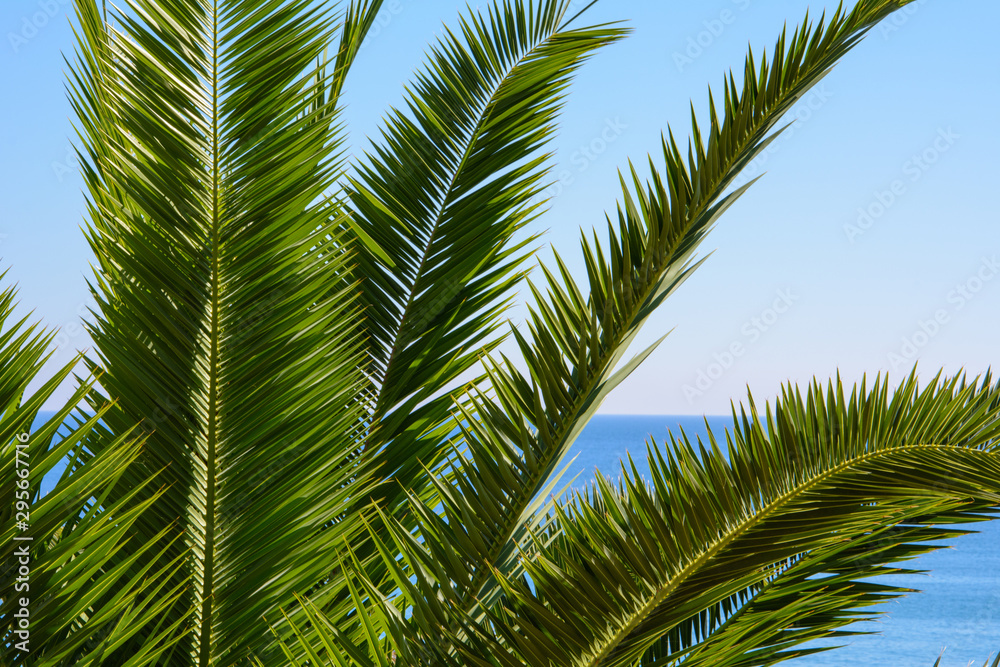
(958, 610)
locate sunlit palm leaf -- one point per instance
(516, 438)
(210, 141)
(444, 196)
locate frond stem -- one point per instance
(205, 636)
(730, 537)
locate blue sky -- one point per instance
(871, 242)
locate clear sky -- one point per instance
(871, 242)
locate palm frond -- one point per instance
(518, 429)
(445, 197)
(58, 548)
(812, 596)
(710, 551)
(210, 138)
(828, 471)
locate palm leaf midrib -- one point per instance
(207, 594)
(799, 567)
(745, 526)
(481, 115)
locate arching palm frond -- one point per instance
(445, 196)
(734, 553)
(518, 431)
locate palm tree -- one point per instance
(282, 459)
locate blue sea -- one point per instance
(958, 611)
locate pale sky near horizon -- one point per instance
(869, 244)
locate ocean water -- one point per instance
(958, 610)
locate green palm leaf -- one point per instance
(59, 549)
(211, 138)
(698, 563)
(520, 429)
(811, 596)
(444, 197)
